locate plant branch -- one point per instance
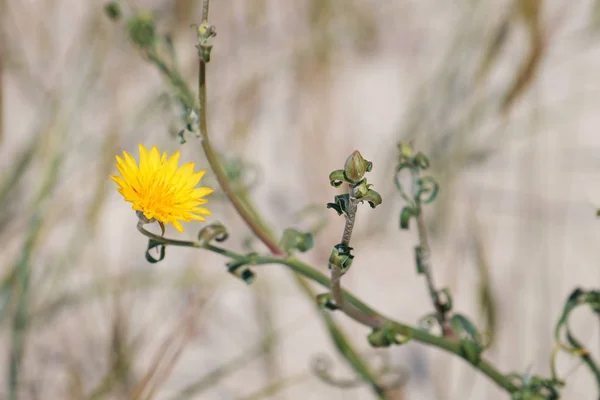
(355, 308)
(425, 258)
(213, 160)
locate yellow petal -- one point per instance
(201, 192)
(178, 226)
(201, 210)
(186, 170)
(195, 178)
(143, 159)
(154, 158)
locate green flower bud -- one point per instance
(142, 30)
(405, 152)
(356, 167)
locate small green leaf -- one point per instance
(295, 240)
(471, 347)
(360, 189)
(405, 216)
(386, 336)
(373, 198)
(471, 351)
(421, 160)
(341, 205)
(337, 177)
(241, 269)
(464, 327)
(161, 248)
(419, 260)
(341, 257)
(214, 231)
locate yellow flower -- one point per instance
(160, 189)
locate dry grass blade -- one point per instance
(167, 355)
(530, 12)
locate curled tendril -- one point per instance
(427, 189)
(398, 183)
(393, 377)
(214, 231)
(430, 321)
(325, 300)
(570, 343)
(390, 376)
(322, 367)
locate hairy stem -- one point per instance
(351, 217)
(205, 10)
(336, 271)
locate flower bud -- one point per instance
(356, 167)
(142, 30)
(405, 152)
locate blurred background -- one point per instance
(502, 95)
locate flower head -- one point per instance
(160, 189)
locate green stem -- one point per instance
(213, 160)
(426, 260)
(160, 239)
(356, 309)
(376, 319)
